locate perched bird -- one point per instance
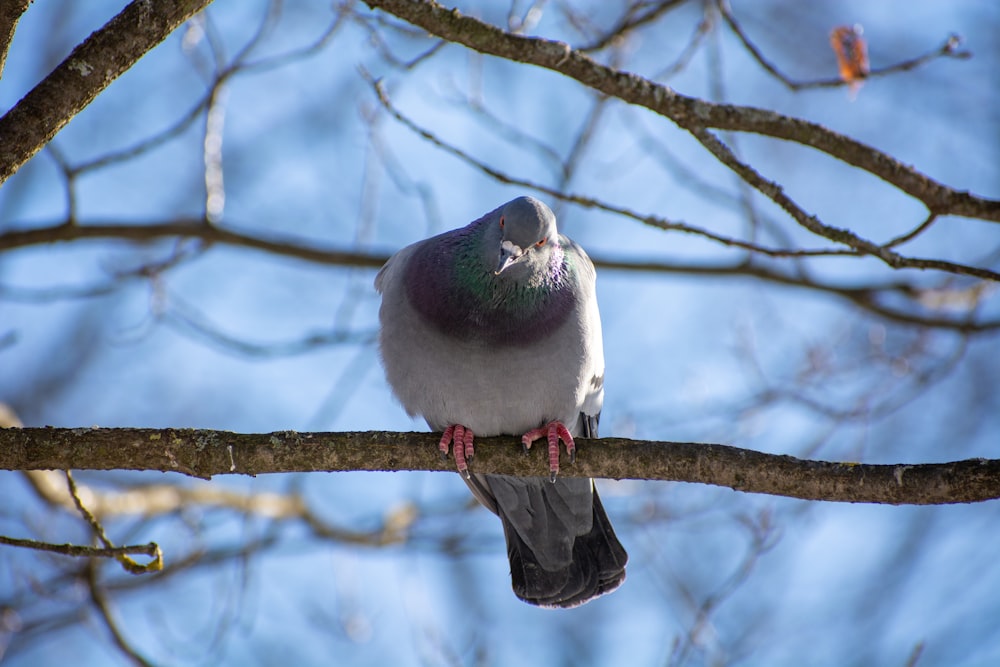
(493, 329)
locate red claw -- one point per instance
(554, 432)
(464, 450)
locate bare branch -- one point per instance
(154, 500)
(98, 530)
(591, 202)
(688, 113)
(10, 14)
(205, 453)
(775, 193)
(865, 296)
(150, 549)
(233, 69)
(188, 228)
(87, 71)
(101, 605)
(857, 246)
(634, 18)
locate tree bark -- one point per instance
(10, 14)
(205, 453)
(84, 74)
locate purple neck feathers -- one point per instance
(451, 284)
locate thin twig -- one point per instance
(630, 21)
(590, 202)
(775, 193)
(98, 530)
(913, 233)
(949, 49)
(81, 551)
(100, 604)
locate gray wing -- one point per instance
(397, 323)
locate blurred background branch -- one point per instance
(925, 306)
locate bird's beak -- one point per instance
(509, 253)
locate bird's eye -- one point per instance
(542, 242)
(501, 222)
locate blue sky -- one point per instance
(688, 357)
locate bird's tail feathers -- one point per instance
(597, 566)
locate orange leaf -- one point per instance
(852, 53)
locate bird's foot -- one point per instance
(464, 450)
(554, 431)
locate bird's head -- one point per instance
(527, 232)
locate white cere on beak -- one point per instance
(509, 253)
(512, 249)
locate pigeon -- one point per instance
(493, 329)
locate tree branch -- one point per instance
(10, 14)
(858, 246)
(865, 296)
(187, 228)
(151, 549)
(84, 74)
(775, 193)
(688, 113)
(204, 453)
